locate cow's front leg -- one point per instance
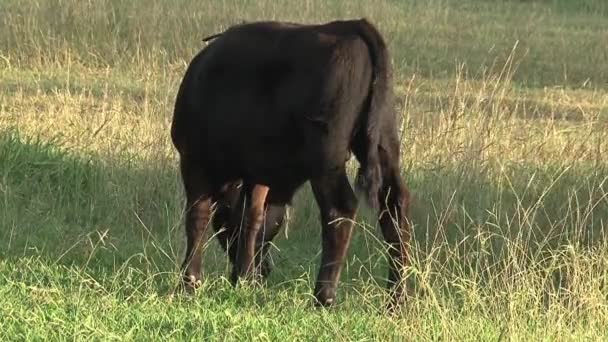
(244, 267)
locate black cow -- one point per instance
(267, 106)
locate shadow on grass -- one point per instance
(103, 218)
(88, 214)
(125, 217)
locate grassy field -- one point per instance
(504, 121)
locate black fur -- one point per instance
(279, 104)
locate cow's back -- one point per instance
(258, 93)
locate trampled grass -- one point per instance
(503, 109)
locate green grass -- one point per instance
(503, 108)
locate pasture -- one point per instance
(503, 116)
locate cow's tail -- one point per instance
(369, 175)
(213, 36)
(219, 34)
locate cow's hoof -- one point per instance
(265, 269)
(190, 284)
(324, 303)
(396, 300)
(393, 306)
(249, 280)
(234, 277)
(254, 277)
(325, 298)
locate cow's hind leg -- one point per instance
(198, 212)
(393, 217)
(338, 207)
